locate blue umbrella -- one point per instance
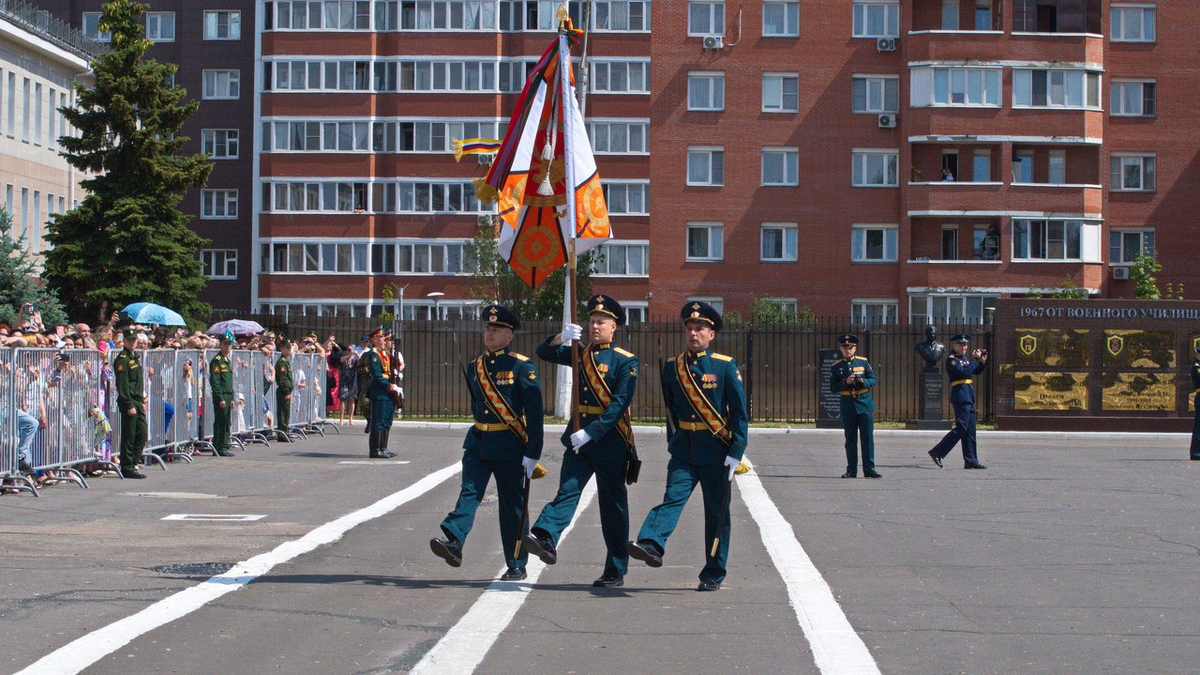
(235, 326)
(148, 312)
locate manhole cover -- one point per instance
(210, 569)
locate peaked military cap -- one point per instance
(387, 334)
(130, 333)
(499, 315)
(848, 339)
(961, 338)
(226, 339)
(378, 332)
(702, 312)
(284, 342)
(603, 304)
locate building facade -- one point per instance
(40, 58)
(894, 160)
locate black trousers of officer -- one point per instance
(964, 431)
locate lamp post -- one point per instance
(437, 304)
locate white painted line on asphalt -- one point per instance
(375, 462)
(461, 650)
(226, 517)
(837, 649)
(90, 648)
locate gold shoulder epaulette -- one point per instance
(860, 358)
(721, 357)
(622, 352)
(519, 357)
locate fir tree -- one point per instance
(127, 241)
(17, 287)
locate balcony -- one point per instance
(950, 123)
(991, 46)
(949, 198)
(993, 274)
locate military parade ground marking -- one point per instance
(216, 517)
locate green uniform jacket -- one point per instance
(380, 384)
(127, 370)
(619, 370)
(220, 379)
(854, 401)
(283, 376)
(723, 387)
(517, 381)
(1196, 374)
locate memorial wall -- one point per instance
(1095, 365)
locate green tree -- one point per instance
(492, 280)
(1069, 291)
(127, 241)
(17, 275)
(1144, 275)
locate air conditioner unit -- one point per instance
(1121, 273)
(485, 159)
(887, 121)
(887, 44)
(483, 221)
(714, 42)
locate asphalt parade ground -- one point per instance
(1070, 554)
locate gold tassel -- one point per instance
(456, 145)
(486, 193)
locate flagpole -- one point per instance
(568, 115)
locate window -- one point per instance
(983, 15)
(873, 243)
(966, 86)
(925, 309)
(981, 166)
(1058, 167)
(473, 15)
(621, 15)
(778, 242)
(222, 84)
(876, 18)
(314, 257)
(218, 204)
(706, 166)
(1047, 239)
(950, 14)
(160, 26)
(1132, 98)
(875, 168)
(1124, 246)
(439, 197)
(706, 91)
(985, 242)
(781, 19)
(627, 199)
(91, 28)
(620, 77)
(717, 303)
(616, 137)
(516, 15)
(949, 242)
(1056, 88)
(387, 15)
(624, 259)
(875, 94)
(1132, 23)
(439, 257)
(705, 242)
(1132, 173)
(1022, 167)
(781, 166)
(706, 18)
(874, 312)
(219, 143)
(635, 312)
(780, 92)
(222, 25)
(219, 263)
(383, 258)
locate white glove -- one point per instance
(579, 438)
(570, 333)
(732, 463)
(528, 463)
(396, 389)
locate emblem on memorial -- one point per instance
(1115, 344)
(1028, 344)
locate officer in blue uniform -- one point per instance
(377, 364)
(603, 444)
(960, 368)
(707, 407)
(1196, 402)
(505, 442)
(853, 378)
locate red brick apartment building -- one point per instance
(791, 150)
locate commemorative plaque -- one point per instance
(1141, 349)
(1050, 391)
(1144, 392)
(1051, 348)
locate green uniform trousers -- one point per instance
(133, 437)
(613, 497)
(283, 412)
(859, 425)
(510, 482)
(682, 477)
(222, 421)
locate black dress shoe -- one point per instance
(646, 551)
(225, 453)
(448, 550)
(708, 585)
(608, 581)
(383, 454)
(973, 465)
(513, 574)
(132, 473)
(871, 473)
(542, 547)
(849, 475)
(936, 460)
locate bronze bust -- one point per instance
(931, 350)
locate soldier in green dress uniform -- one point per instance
(707, 407)
(505, 442)
(220, 381)
(127, 371)
(378, 364)
(607, 378)
(1196, 403)
(283, 389)
(853, 378)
